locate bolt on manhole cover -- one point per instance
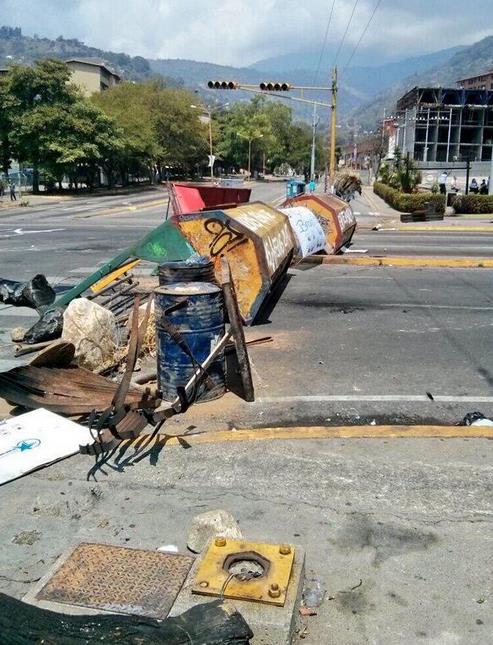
(119, 579)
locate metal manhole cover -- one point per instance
(119, 579)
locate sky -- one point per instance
(241, 32)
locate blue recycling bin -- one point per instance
(295, 187)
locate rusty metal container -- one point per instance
(334, 214)
(257, 241)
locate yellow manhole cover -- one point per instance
(245, 571)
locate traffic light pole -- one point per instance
(332, 128)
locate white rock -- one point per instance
(211, 524)
(92, 329)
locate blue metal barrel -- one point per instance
(200, 323)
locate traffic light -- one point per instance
(269, 86)
(222, 85)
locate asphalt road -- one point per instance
(344, 337)
(429, 243)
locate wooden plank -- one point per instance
(104, 282)
(234, 317)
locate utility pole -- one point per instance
(314, 141)
(333, 121)
(490, 178)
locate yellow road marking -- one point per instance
(448, 229)
(322, 432)
(394, 261)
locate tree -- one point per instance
(33, 89)
(128, 105)
(6, 114)
(159, 127)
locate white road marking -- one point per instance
(19, 231)
(374, 398)
(426, 306)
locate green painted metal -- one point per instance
(165, 243)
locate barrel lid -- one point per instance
(187, 289)
(191, 263)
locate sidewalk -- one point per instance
(370, 210)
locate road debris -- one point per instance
(36, 439)
(92, 330)
(476, 419)
(35, 293)
(313, 592)
(210, 524)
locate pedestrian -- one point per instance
(442, 182)
(473, 186)
(483, 189)
(312, 186)
(13, 197)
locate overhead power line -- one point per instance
(345, 33)
(363, 34)
(324, 45)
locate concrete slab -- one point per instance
(271, 625)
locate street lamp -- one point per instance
(209, 115)
(250, 140)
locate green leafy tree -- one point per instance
(159, 127)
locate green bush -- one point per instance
(473, 204)
(408, 202)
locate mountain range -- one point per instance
(363, 90)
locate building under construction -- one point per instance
(445, 124)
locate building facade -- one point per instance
(91, 76)
(445, 125)
(482, 82)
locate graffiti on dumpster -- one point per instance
(277, 247)
(346, 218)
(225, 238)
(273, 231)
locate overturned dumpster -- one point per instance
(335, 216)
(256, 239)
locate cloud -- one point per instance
(240, 32)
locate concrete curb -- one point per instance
(394, 261)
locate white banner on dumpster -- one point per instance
(36, 439)
(307, 230)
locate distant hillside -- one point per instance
(15, 47)
(469, 61)
(358, 86)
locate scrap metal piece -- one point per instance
(119, 579)
(234, 317)
(224, 571)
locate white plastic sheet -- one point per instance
(307, 229)
(36, 439)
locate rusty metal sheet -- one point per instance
(119, 579)
(256, 240)
(70, 390)
(214, 577)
